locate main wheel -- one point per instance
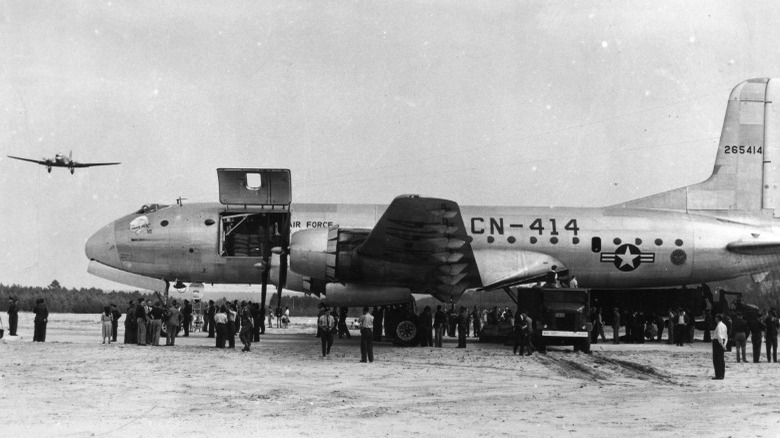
(406, 333)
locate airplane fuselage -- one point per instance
(606, 248)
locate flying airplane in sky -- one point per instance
(61, 160)
(368, 255)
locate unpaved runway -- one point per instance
(74, 386)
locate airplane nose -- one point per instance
(102, 246)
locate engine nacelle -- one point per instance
(326, 253)
(351, 295)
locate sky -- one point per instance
(568, 103)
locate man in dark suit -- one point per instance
(186, 312)
(115, 315)
(210, 312)
(13, 316)
(41, 319)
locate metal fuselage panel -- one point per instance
(603, 247)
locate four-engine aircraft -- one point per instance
(357, 255)
(61, 160)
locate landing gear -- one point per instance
(72, 170)
(401, 325)
(48, 169)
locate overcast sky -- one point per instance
(512, 103)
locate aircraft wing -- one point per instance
(75, 164)
(28, 159)
(427, 234)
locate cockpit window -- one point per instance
(150, 208)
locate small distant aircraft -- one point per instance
(61, 160)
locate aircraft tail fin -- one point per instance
(745, 177)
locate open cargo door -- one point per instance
(268, 188)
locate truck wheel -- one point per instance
(406, 333)
(585, 345)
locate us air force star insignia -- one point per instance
(627, 257)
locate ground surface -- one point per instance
(74, 386)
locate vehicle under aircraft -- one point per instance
(370, 255)
(60, 160)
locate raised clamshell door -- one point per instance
(256, 187)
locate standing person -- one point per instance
(615, 326)
(326, 322)
(141, 318)
(131, 337)
(41, 319)
(231, 326)
(149, 330)
(366, 323)
(379, 317)
(187, 317)
(521, 331)
(270, 313)
(257, 321)
(672, 317)
(739, 332)
(772, 326)
(660, 324)
(529, 344)
(343, 329)
(439, 320)
(719, 339)
(463, 327)
(452, 321)
(115, 315)
(756, 329)
(426, 327)
(476, 320)
(172, 323)
(211, 311)
(106, 324)
(13, 316)
(220, 326)
(286, 317)
(247, 328)
(681, 327)
(156, 316)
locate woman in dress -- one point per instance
(106, 320)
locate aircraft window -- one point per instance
(575, 240)
(254, 181)
(659, 242)
(553, 240)
(491, 239)
(678, 242)
(595, 244)
(617, 241)
(638, 241)
(150, 208)
(533, 239)
(209, 222)
(164, 223)
(511, 239)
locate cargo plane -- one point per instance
(61, 160)
(358, 255)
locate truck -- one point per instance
(561, 316)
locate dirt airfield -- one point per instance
(74, 386)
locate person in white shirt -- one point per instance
(719, 340)
(326, 322)
(366, 323)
